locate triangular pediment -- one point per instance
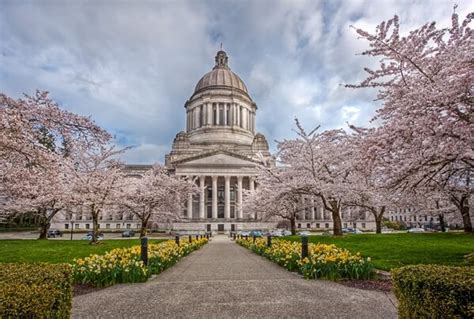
(217, 158)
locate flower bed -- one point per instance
(324, 261)
(123, 265)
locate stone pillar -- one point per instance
(227, 197)
(239, 197)
(202, 194)
(214, 197)
(313, 211)
(190, 206)
(252, 188)
(209, 113)
(303, 208)
(239, 122)
(225, 114)
(218, 110)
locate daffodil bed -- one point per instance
(123, 265)
(324, 261)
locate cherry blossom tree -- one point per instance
(156, 195)
(38, 141)
(276, 196)
(426, 131)
(98, 176)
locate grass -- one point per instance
(57, 251)
(389, 251)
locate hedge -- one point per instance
(429, 291)
(35, 290)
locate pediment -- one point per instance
(217, 159)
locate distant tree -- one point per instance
(275, 198)
(425, 82)
(156, 195)
(98, 176)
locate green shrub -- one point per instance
(35, 291)
(429, 291)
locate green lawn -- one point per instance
(57, 251)
(395, 250)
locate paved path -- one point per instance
(224, 280)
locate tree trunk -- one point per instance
(95, 228)
(44, 227)
(379, 219)
(442, 224)
(466, 218)
(44, 224)
(293, 225)
(143, 228)
(336, 218)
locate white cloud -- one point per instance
(132, 65)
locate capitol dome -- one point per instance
(221, 76)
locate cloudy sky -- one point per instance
(131, 65)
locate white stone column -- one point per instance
(190, 206)
(227, 197)
(234, 112)
(202, 180)
(239, 197)
(214, 197)
(303, 208)
(252, 188)
(239, 114)
(218, 112)
(313, 212)
(209, 113)
(225, 114)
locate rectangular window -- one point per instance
(299, 225)
(76, 226)
(232, 211)
(326, 225)
(221, 114)
(117, 226)
(129, 226)
(66, 226)
(209, 192)
(363, 225)
(220, 211)
(308, 225)
(209, 211)
(317, 225)
(87, 226)
(107, 226)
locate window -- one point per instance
(317, 225)
(107, 226)
(345, 225)
(209, 211)
(66, 226)
(299, 225)
(201, 111)
(228, 114)
(326, 225)
(214, 114)
(220, 211)
(308, 225)
(232, 211)
(355, 225)
(87, 226)
(76, 226)
(426, 218)
(129, 226)
(209, 192)
(117, 226)
(98, 225)
(363, 225)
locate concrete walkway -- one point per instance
(224, 280)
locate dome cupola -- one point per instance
(220, 109)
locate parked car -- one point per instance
(351, 231)
(304, 233)
(285, 232)
(256, 233)
(128, 233)
(416, 230)
(88, 236)
(53, 233)
(245, 233)
(276, 233)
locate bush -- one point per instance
(35, 291)
(429, 291)
(123, 265)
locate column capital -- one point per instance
(239, 178)
(227, 177)
(214, 178)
